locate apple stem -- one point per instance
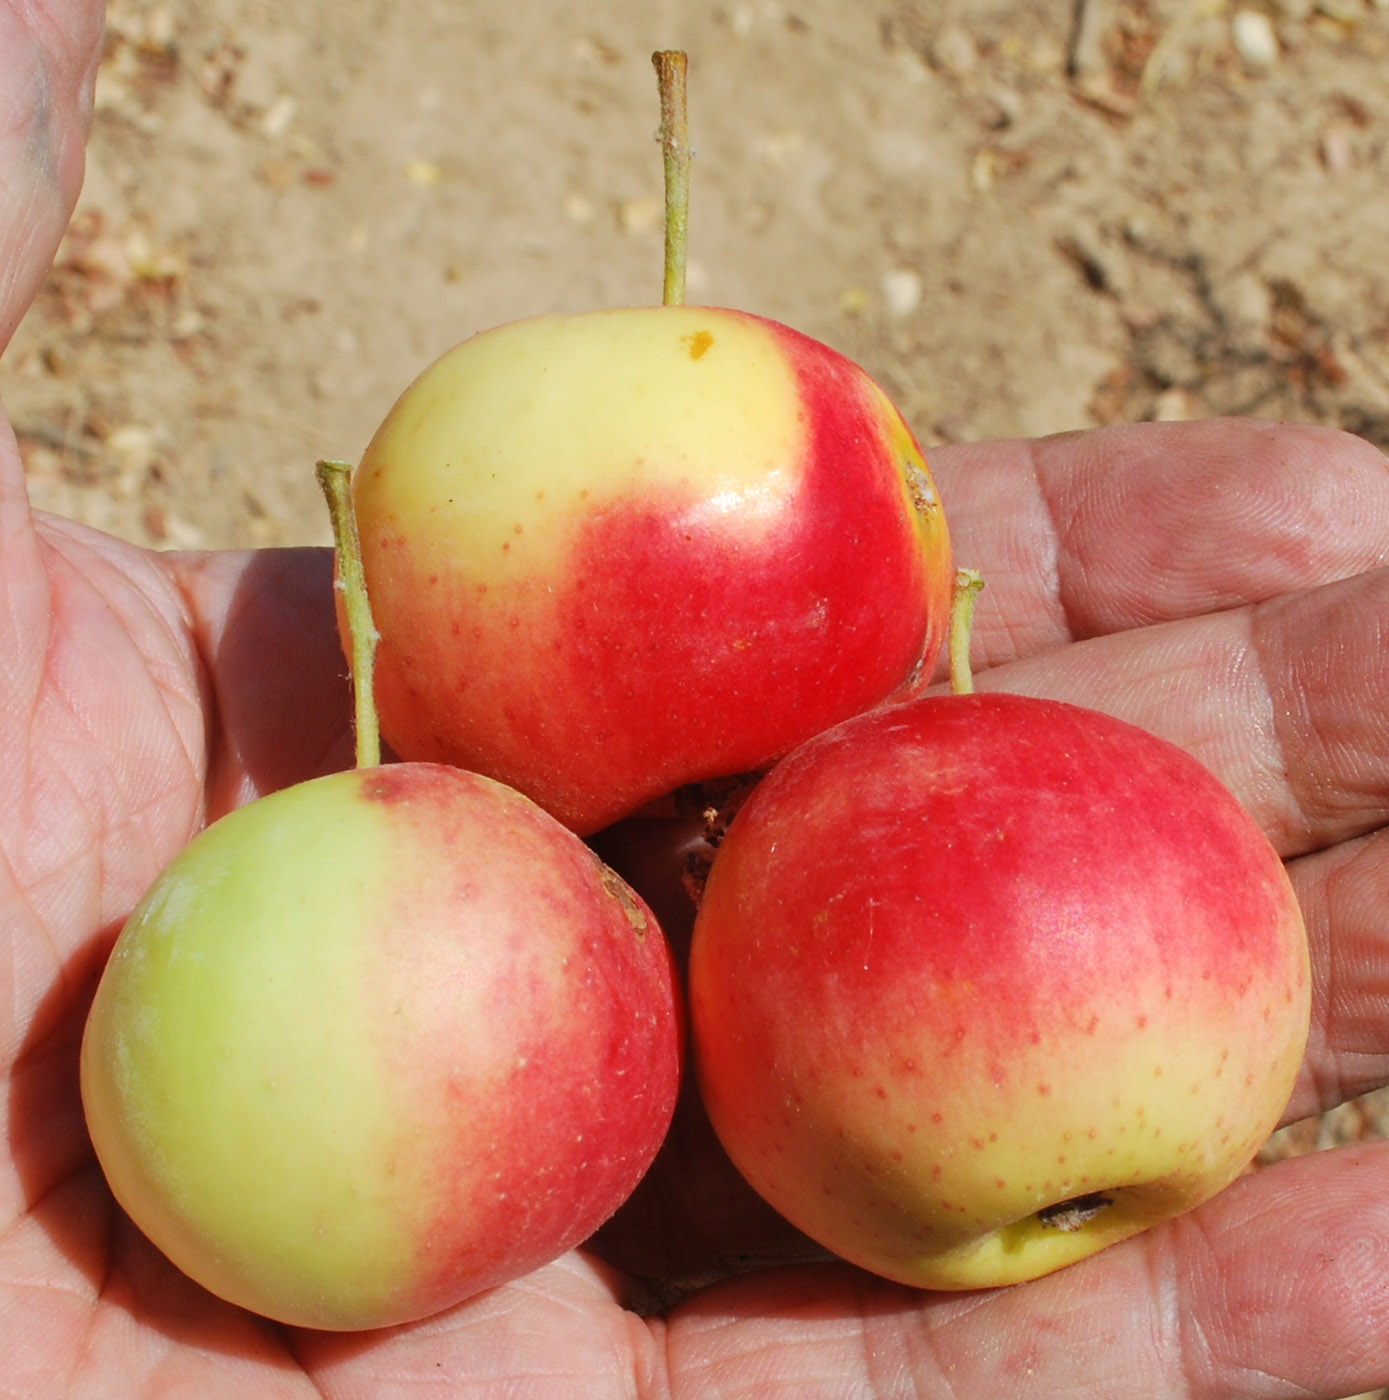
(335, 479)
(671, 67)
(968, 582)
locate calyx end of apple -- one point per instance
(1052, 1237)
(1074, 1214)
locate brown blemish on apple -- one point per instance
(616, 888)
(920, 489)
(387, 786)
(698, 343)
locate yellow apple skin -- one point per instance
(964, 961)
(612, 553)
(377, 1042)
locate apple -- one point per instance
(616, 552)
(724, 1225)
(981, 984)
(377, 1042)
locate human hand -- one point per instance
(1224, 584)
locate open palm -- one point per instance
(1224, 584)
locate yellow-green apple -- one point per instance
(617, 552)
(376, 1042)
(981, 984)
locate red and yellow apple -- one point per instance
(613, 553)
(981, 984)
(379, 1041)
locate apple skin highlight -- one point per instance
(965, 960)
(345, 1073)
(612, 553)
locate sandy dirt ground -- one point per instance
(1021, 216)
(1018, 223)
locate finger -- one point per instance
(1344, 894)
(1277, 1288)
(1088, 533)
(1285, 701)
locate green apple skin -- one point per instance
(377, 1042)
(617, 552)
(966, 960)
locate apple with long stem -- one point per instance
(380, 1040)
(981, 984)
(617, 552)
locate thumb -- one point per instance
(48, 57)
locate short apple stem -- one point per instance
(968, 582)
(671, 67)
(335, 478)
